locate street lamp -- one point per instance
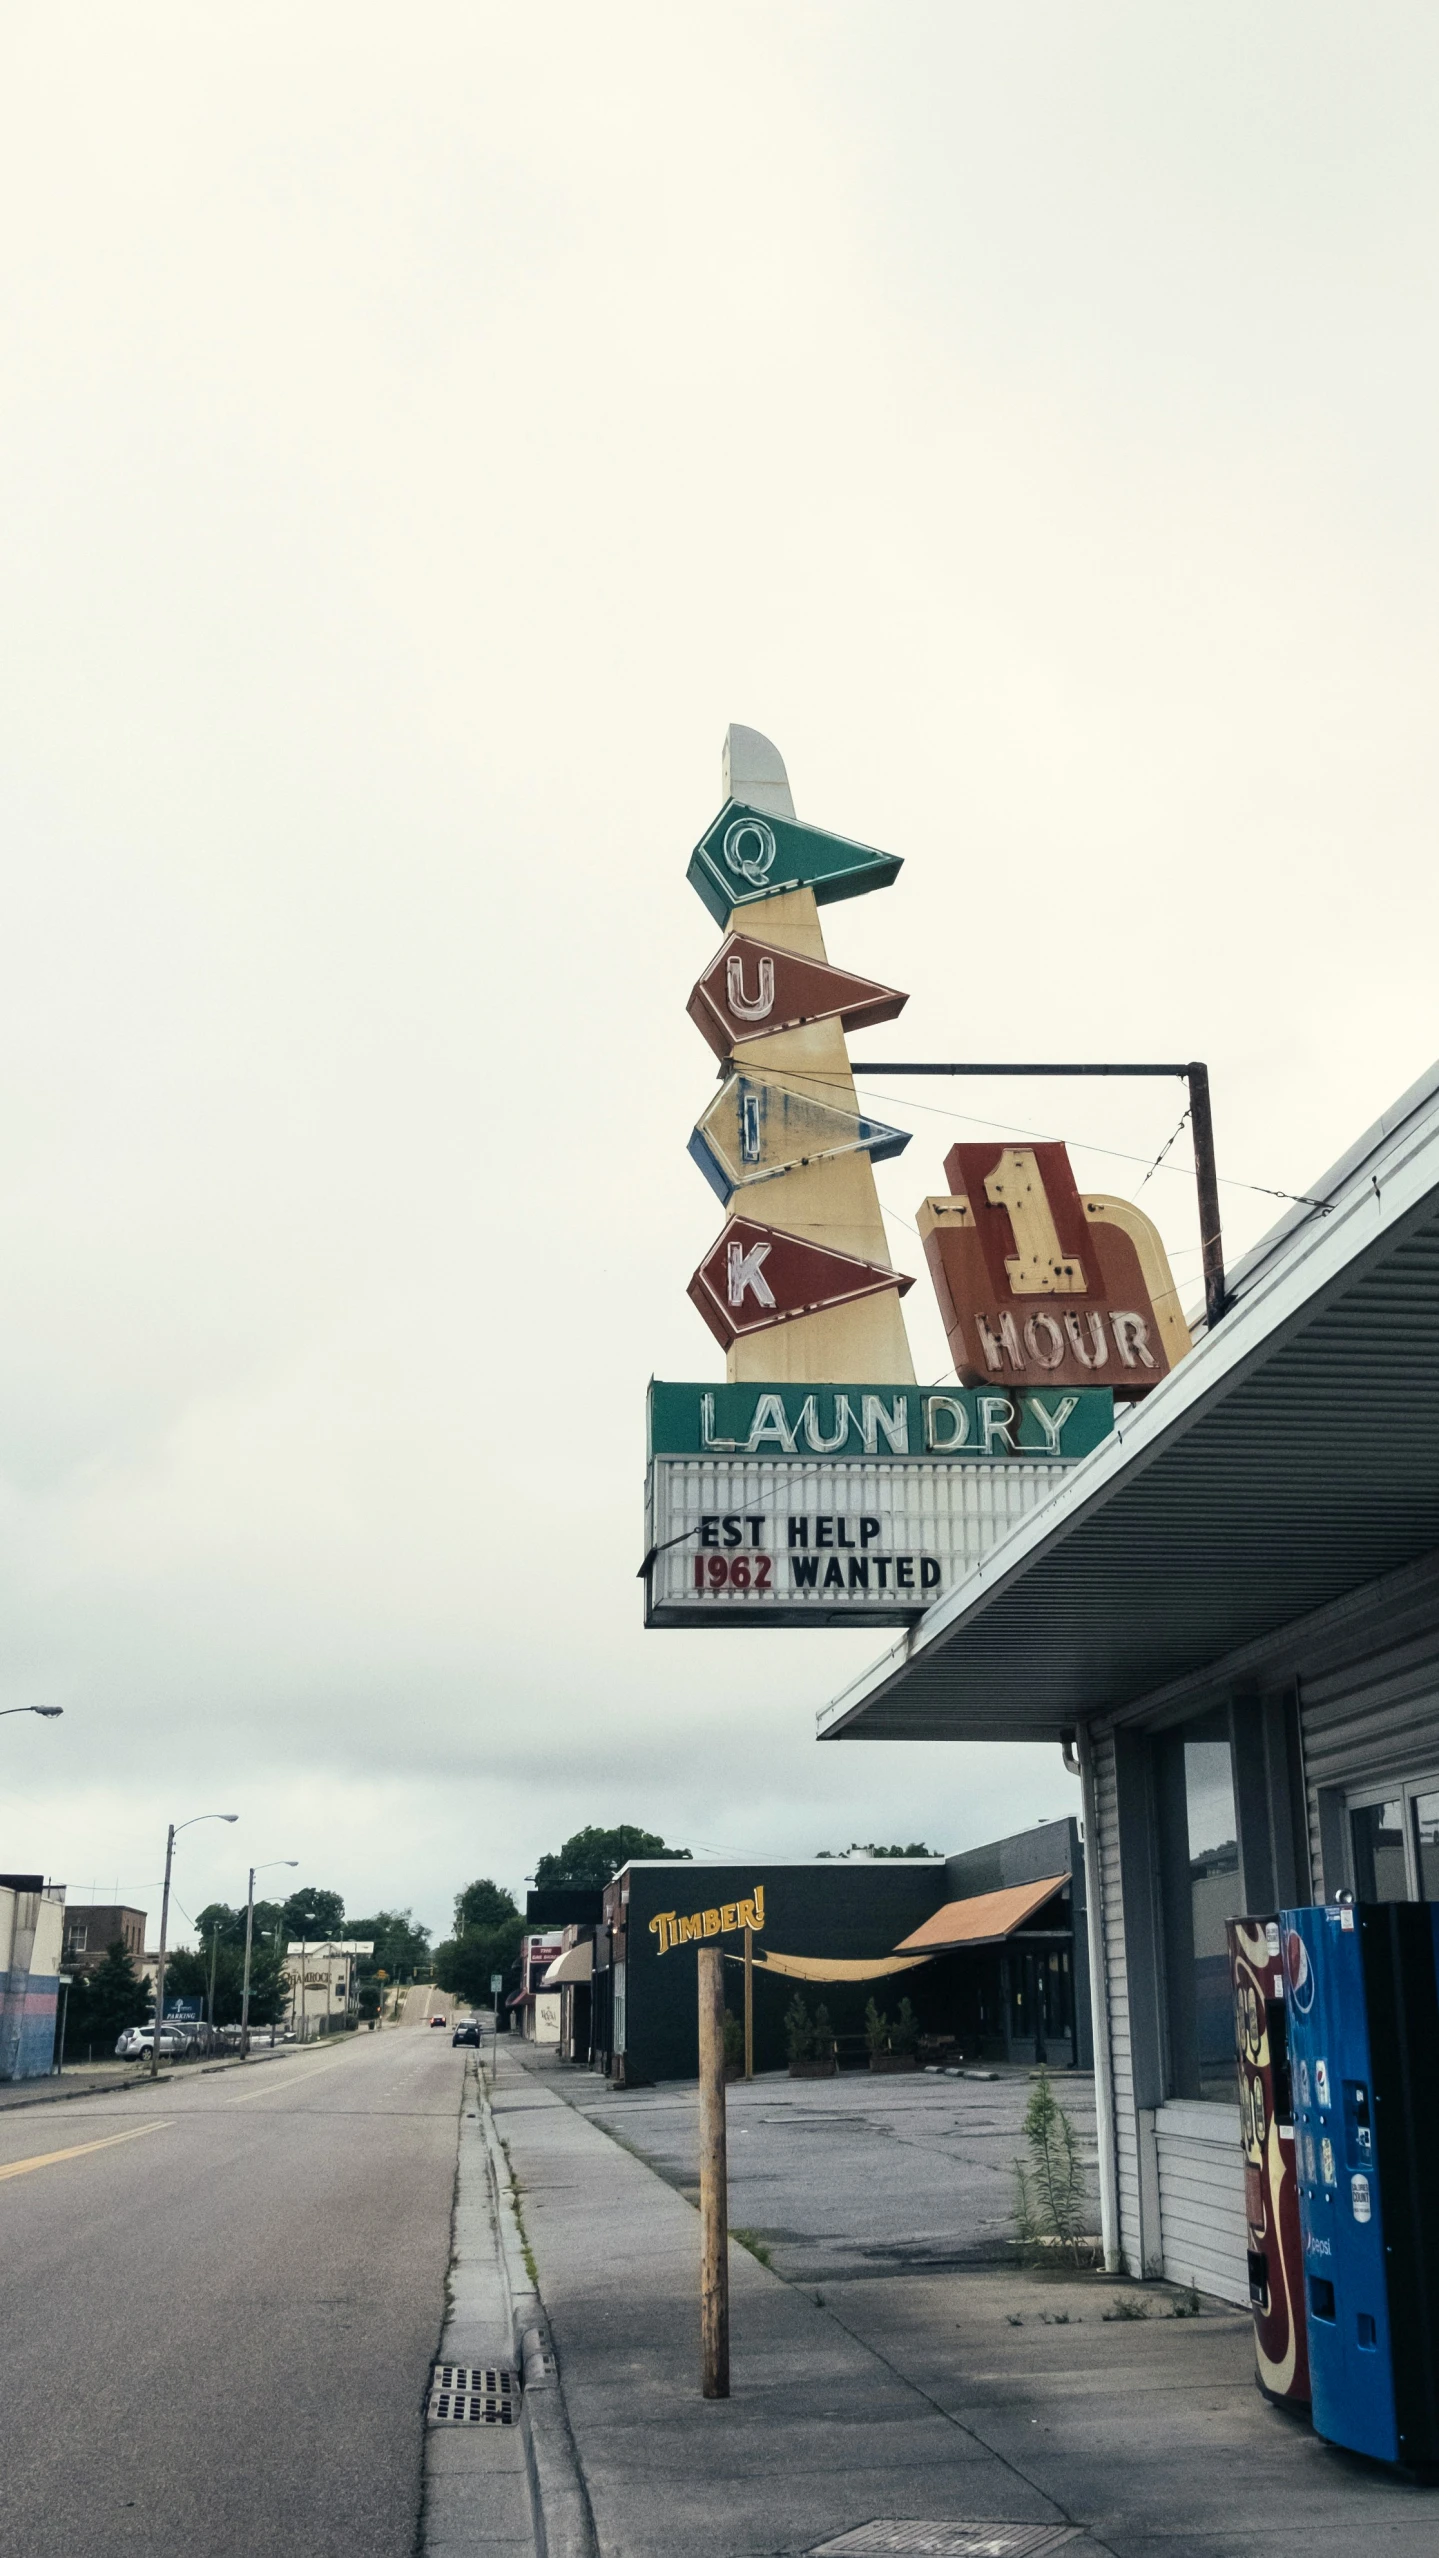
(175, 1828)
(49, 1711)
(249, 1937)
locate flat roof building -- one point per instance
(989, 1948)
(92, 1927)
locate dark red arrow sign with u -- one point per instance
(755, 1277)
(750, 990)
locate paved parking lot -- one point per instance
(853, 2176)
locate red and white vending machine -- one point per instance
(1271, 2185)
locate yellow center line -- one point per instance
(82, 2149)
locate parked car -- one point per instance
(141, 2038)
(469, 2032)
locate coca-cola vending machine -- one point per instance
(1271, 2185)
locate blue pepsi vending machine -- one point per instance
(1362, 1990)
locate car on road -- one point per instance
(439, 2020)
(469, 2032)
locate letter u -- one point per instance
(1097, 1334)
(739, 1002)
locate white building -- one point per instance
(1229, 1618)
(538, 2008)
(324, 1990)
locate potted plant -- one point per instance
(809, 2042)
(892, 2047)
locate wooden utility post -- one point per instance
(714, 2181)
(749, 2002)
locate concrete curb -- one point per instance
(564, 2524)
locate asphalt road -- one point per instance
(423, 2003)
(220, 2313)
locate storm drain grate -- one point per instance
(468, 2394)
(949, 2540)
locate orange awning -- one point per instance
(985, 1920)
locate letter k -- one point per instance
(746, 1271)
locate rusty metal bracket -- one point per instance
(1194, 1074)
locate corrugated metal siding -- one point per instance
(1372, 1717)
(1126, 2143)
(1201, 2205)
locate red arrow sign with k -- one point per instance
(750, 990)
(755, 1277)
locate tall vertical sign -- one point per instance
(818, 1484)
(798, 1287)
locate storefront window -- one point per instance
(1199, 1854)
(1213, 1898)
(1381, 1870)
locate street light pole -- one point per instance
(49, 1711)
(175, 1827)
(249, 1940)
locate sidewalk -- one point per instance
(893, 2391)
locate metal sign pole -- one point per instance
(714, 2195)
(1195, 1075)
(749, 2002)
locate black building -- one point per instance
(1000, 1976)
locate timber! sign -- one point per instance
(726, 1920)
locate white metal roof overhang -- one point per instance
(1293, 1456)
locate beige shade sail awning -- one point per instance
(821, 1967)
(985, 1920)
(577, 1965)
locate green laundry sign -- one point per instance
(876, 1421)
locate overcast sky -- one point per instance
(423, 431)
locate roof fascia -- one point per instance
(1364, 1155)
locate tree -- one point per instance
(311, 1915)
(187, 1975)
(218, 1915)
(464, 1964)
(483, 1904)
(589, 1859)
(487, 1935)
(401, 1944)
(103, 2002)
(871, 1847)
